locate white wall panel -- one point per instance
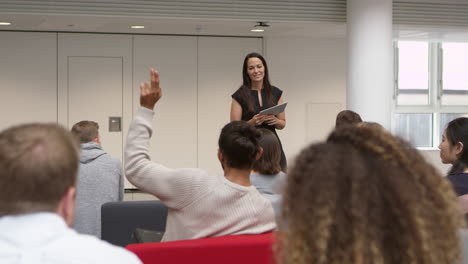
(309, 71)
(28, 78)
(321, 120)
(174, 141)
(219, 75)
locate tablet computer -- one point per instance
(274, 110)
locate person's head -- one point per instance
(347, 117)
(453, 148)
(38, 170)
(255, 69)
(364, 196)
(239, 145)
(86, 131)
(269, 162)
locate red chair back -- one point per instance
(237, 249)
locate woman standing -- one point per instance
(256, 94)
(453, 150)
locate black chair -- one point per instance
(119, 220)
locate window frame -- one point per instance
(435, 85)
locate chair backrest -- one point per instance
(119, 220)
(244, 249)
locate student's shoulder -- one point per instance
(89, 249)
(110, 160)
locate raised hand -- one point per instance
(150, 93)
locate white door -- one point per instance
(94, 83)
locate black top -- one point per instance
(247, 115)
(459, 182)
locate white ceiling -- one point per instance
(29, 15)
(113, 24)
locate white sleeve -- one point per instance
(171, 186)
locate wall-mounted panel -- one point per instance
(219, 76)
(28, 78)
(174, 141)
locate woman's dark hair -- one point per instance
(457, 131)
(347, 117)
(269, 162)
(239, 144)
(247, 83)
(364, 196)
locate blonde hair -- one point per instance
(365, 196)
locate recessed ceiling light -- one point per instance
(257, 30)
(260, 26)
(137, 27)
(5, 23)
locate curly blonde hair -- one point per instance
(365, 196)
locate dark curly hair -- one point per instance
(365, 196)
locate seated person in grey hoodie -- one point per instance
(100, 179)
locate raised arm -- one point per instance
(172, 186)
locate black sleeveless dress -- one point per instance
(247, 115)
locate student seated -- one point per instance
(200, 204)
(364, 196)
(454, 150)
(347, 117)
(266, 170)
(100, 179)
(38, 168)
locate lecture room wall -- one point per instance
(67, 77)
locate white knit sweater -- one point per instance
(200, 205)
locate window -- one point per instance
(431, 89)
(454, 74)
(413, 75)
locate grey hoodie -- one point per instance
(99, 181)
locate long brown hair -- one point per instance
(269, 162)
(247, 83)
(365, 196)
